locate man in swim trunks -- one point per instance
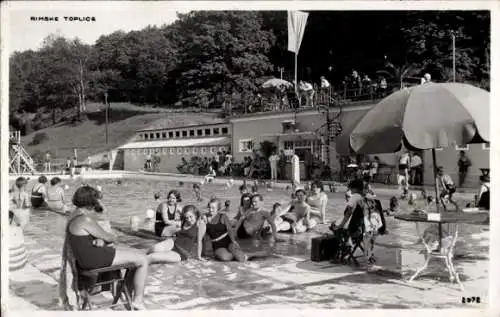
(252, 223)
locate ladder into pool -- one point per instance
(20, 161)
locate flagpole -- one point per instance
(296, 83)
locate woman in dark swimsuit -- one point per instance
(94, 248)
(188, 242)
(219, 231)
(168, 215)
(39, 193)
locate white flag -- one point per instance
(296, 25)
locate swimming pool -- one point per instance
(133, 196)
(280, 281)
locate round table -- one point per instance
(477, 218)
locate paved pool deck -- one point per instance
(285, 280)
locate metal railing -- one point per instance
(331, 96)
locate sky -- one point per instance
(112, 16)
(25, 34)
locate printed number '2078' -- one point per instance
(470, 300)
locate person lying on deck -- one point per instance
(252, 223)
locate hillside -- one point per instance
(124, 119)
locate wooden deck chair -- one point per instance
(88, 283)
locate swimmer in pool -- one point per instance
(251, 224)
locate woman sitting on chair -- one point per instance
(94, 248)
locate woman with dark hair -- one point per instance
(168, 215)
(55, 196)
(188, 243)
(39, 193)
(318, 199)
(94, 248)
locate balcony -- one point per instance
(321, 97)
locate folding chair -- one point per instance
(88, 283)
(358, 241)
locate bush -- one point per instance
(39, 138)
(267, 148)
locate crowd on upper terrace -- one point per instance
(353, 88)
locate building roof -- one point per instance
(177, 143)
(183, 123)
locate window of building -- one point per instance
(203, 150)
(179, 151)
(187, 150)
(158, 135)
(464, 147)
(216, 131)
(195, 150)
(177, 134)
(191, 132)
(171, 134)
(199, 132)
(171, 151)
(207, 131)
(213, 150)
(225, 130)
(164, 135)
(184, 133)
(486, 146)
(146, 136)
(146, 151)
(151, 135)
(222, 149)
(246, 145)
(165, 151)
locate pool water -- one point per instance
(129, 197)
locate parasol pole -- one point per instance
(437, 194)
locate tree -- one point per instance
(66, 75)
(221, 53)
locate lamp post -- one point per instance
(281, 70)
(107, 114)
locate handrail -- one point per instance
(330, 97)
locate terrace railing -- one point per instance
(331, 96)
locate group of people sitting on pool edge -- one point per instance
(42, 196)
(302, 213)
(92, 242)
